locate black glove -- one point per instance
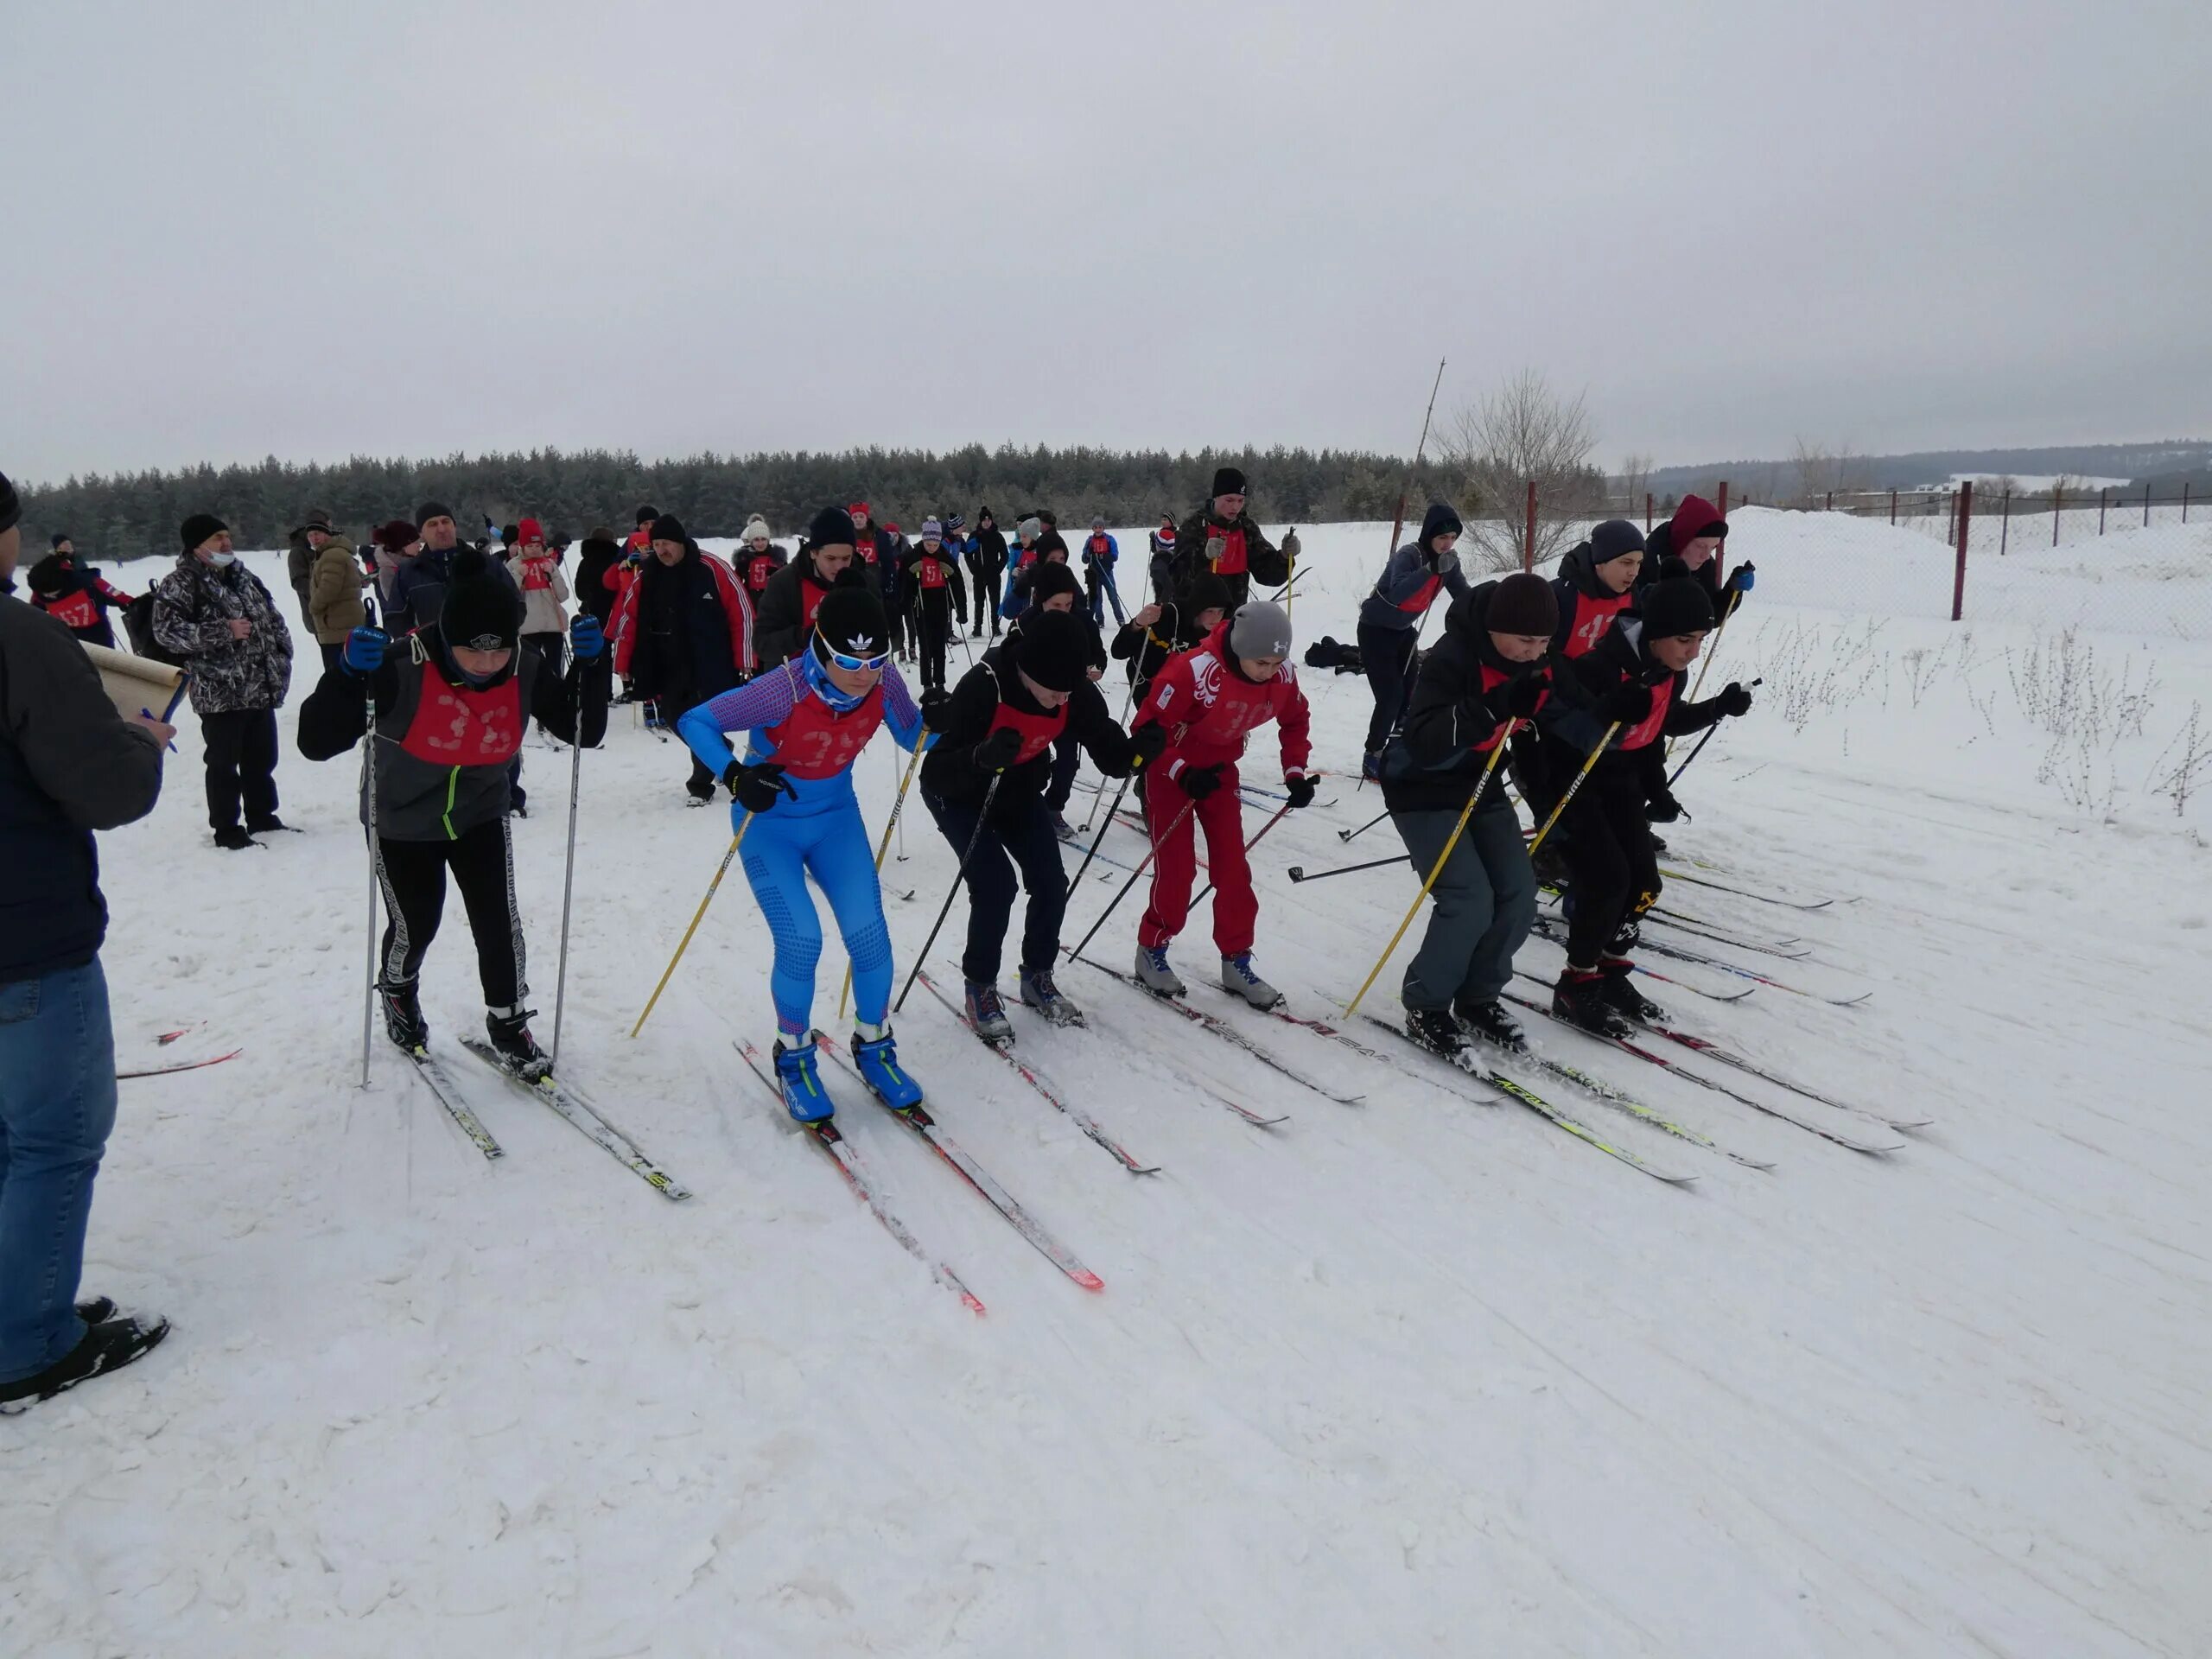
(1631, 703)
(998, 751)
(1735, 700)
(937, 702)
(1146, 744)
(1662, 808)
(1198, 782)
(756, 787)
(1301, 790)
(1522, 695)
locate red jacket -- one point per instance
(737, 608)
(1209, 709)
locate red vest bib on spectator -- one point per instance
(811, 595)
(758, 570)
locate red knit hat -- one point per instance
(530, 530)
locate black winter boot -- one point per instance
(108, 1345)
(509, 1029)
(1580, 999)
(403, 1015)
(1435, 1030)
(1621, 993)
(1490, 1023)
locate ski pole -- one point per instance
(1128, 697)
(883, 847)
(959, 875)
(1075, 955)
(1093, 850)
(1248, 846)
(1735, 597)
(1573, 788)
(568, 874)
(1298, 873)
(1354, 835)
(721, 870)
(1436, 869)
(369, 795)
(1701, 742)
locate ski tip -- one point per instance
(1088, 1279)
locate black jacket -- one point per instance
(989, 556)
(950, 772)
(683, 654)
(1147, 649)
(1264, 562)
(1571, 723)
(593, 561)
(779, 624)
(69, 765)
(1432, 763)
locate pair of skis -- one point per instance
(565, 1101)
(831, 1140)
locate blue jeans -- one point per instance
(57, 1105)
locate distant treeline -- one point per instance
(2164, 465)
(126, 515)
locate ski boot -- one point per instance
(1154, 973)
(1238, 979)
(1488, 1022)
(1580, 999)
(1438, 1032)
(509, 1030)
(877, 1060)
(1039, 992)
(402, 1016)
(107, 1346)
(1621, 993)
(233, 839)
(986, 1014)
(803, 1097)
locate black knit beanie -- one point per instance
(1678, 605)
(483, 610)
(850, 620)
(1229, 482)
(1522, 603)
(198, 527)
(1047, 580)
(1207, 592)
(11, 510)
(1054, 649)
(430, 510)
(832, 527)
(1610, 540)
(669, 528)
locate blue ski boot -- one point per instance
(876, 1059)
(803, 1097)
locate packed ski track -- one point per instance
(1420, 1375)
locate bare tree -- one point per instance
(1822, 472)
(1635, 479)
(1489, 453)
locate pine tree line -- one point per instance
(125, 516)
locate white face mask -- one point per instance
(221, 559)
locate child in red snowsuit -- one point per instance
(1210, 699)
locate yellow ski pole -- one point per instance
(1603, 743)
(1436, 870)
(721, 870)
(883, 847)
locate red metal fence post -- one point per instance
(1723, 499)
(2057, 494)
(1959, 582)
(2103, 490)
(1647, 512)
(2146, 504)
(1529, 535)
(2184, 501)
(1893, 507)
(1831, 506)
(2005, 533)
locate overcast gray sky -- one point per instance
(386, 228)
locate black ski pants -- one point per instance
(1386, 654)
(413, 876)
(241, 766)
(986, 582)
(1613, 872)
(1020, 833)
(933, 625)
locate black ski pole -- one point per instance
(1075, 955)
(1354, 835)
(1297, 872)
(1248, 846)
(1701, 742)
(1092, 851)
(959, 875)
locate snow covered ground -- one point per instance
(1415, 1377)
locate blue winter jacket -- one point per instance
(1409, 582)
